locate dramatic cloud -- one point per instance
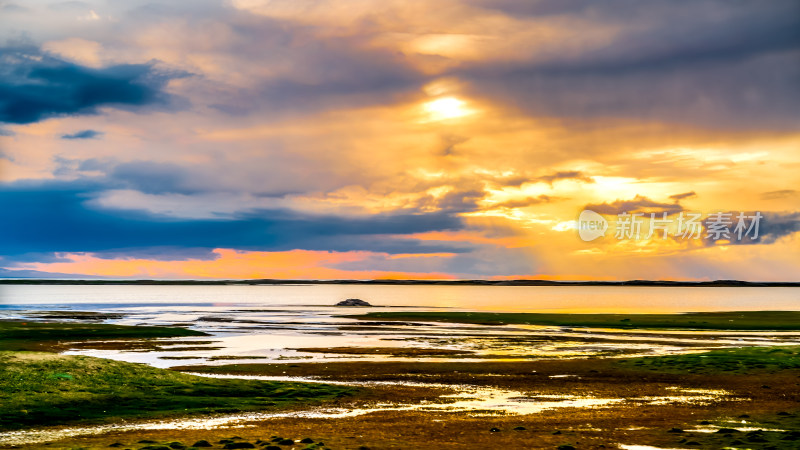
(457, 138)
(526, 202)
(81, 228)
(637, 204)
(567, 175)
(35, 85)
(685, 195)
(770, 227)
(722, 64)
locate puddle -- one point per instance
(646, 447)
(688, 396)
(714, 429)
(474, 400)
(258, 334)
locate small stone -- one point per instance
(705, 422)
(115, 444)
(791, 436)
(286, 442)
(202, 443)
(306, 441)
(353, 302)
(744, 416)
(675, 430)
(566, 447)
(784, 413)
(556, 432)
(176, 445)
(520, 428)
(494, 430)
(232, 445)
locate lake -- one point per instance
(282, 322)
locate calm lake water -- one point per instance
(628, 299)
(275, 323)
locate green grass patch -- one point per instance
(28, 335)
(734, 360)
(730, 320)
(46, 389)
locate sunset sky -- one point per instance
(360, 139)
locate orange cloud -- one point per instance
(233, 264)
(472, 237)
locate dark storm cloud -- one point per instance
(317, 74)
(771, 227)
(713, 63)
(83, 134)
(636, 204)
(35, 85)
(54, 217)
(777, 225)
(459, 200)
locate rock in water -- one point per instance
(353, 302)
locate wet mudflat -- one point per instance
(426, 384)
(586, 403)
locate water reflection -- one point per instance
(465, 399)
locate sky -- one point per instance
(364, 139)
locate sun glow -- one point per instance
(447, 108)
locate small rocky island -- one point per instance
(353, 302)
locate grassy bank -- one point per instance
(44, 336)
(735, 360)
(734, 320)
(47, 389)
